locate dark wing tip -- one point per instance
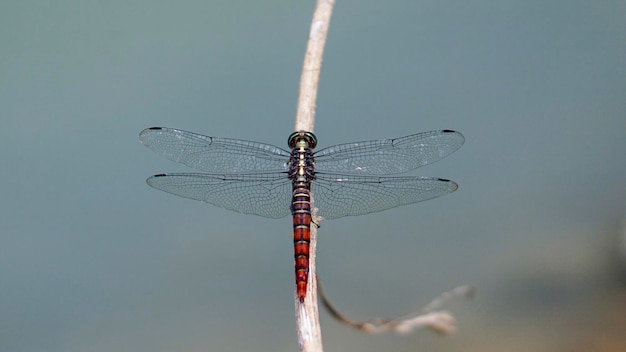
(453, 132)
(151, 178)
(151, 129)
(459, 134)
(453, 186)
(147, 130)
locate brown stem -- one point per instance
(307, 316)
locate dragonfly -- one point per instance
(262, 179)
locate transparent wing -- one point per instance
(388, 156)
(347, 195)
(213, 154)
(263, 194)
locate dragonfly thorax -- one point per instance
(301, 164)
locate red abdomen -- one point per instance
(301, 210)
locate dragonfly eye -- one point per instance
(309, 137)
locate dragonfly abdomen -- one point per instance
(301, 210)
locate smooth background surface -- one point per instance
(92, 259)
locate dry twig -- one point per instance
(439, 321)
(307, 315)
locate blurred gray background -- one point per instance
(92, 259)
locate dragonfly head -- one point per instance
(307, 137)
